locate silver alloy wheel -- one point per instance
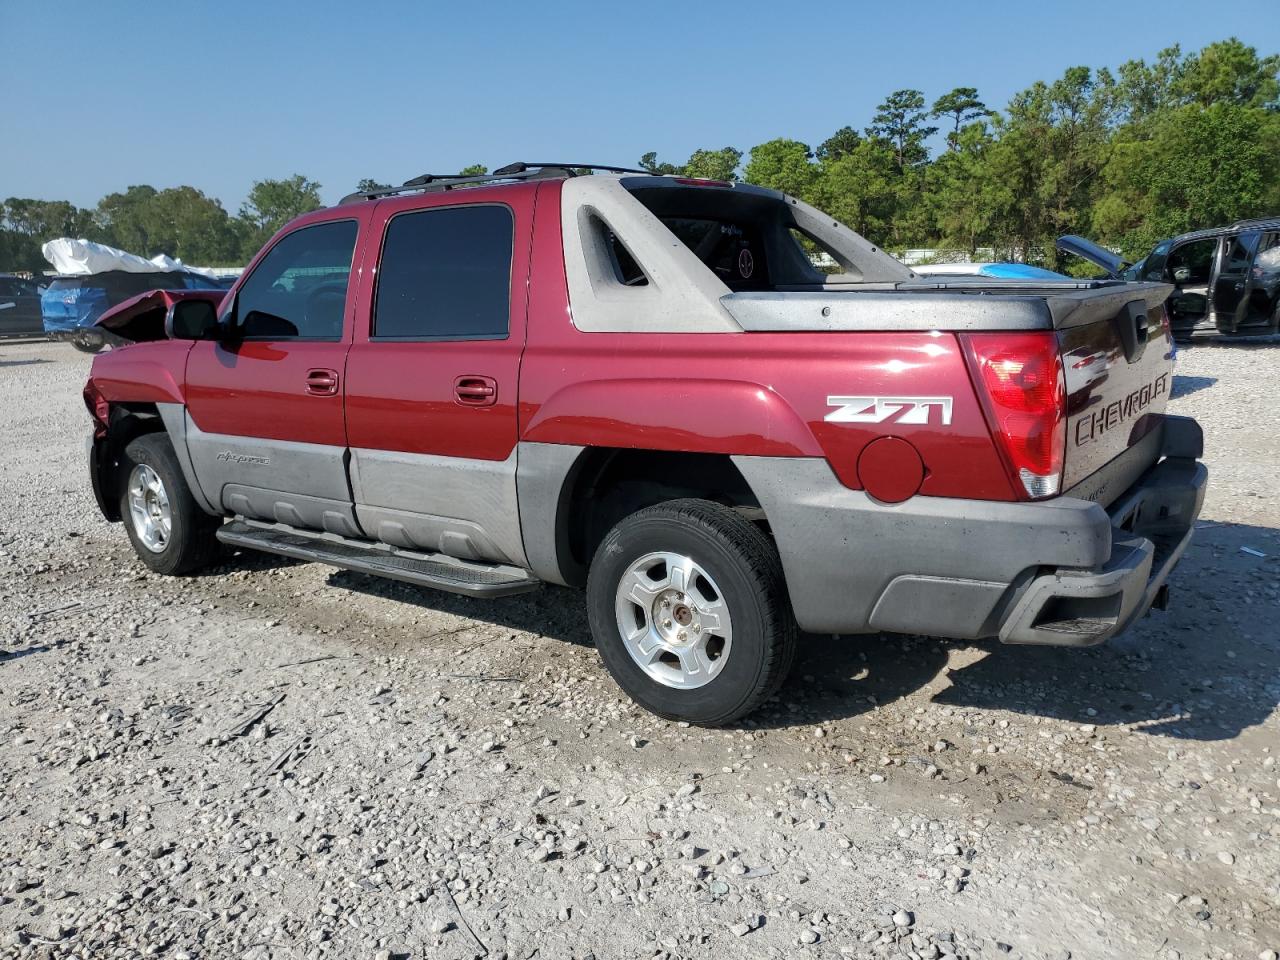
(149, 508)
(673, 620)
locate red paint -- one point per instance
(151, 372)
(400, 395)
(890, 469)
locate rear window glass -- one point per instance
(732, 249)
(446, 274)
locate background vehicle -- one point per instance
(1226, 279)
(19, 305)
(999, 271)
(71, 306)
(642, 385)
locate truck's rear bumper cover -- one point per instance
(1063, 571)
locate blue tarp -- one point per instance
(1019, 271)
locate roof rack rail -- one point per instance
(513, 171)
(1256, 221)
(571, 168)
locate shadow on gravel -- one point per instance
(555, 612)
(246, 560)
(21, 363)
(7, 655)
(1259, 342)
(1205, 670)
(1185, 386)
(1171, 675)
(836, 678)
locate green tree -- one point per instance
(180, 221)
(1143, 90)
(369, 185)
(650, 162)
(474, 170)
(719, 164)
(1050, 150)
(27, 224)
(860, 189)
(784, 165)
(123, 218)
(273, 203)
(961, 106)
(1201, 167)
(186, 224)
(900, 120)
(840, 144)
(1230, 72)
(964, 199)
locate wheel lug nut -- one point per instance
(697, 628)
(681, 635)
(667, 624)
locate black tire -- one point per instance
(192, 542)
(744, 565)
(88, 344)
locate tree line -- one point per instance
(1126, 156)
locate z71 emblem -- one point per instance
(880, 409)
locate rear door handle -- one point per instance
(322, 383)
(474, 391)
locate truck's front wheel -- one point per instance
(168, 530)
(689, 611)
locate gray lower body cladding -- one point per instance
(1064, 571)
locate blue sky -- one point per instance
(219, 94)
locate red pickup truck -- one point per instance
(724, 414)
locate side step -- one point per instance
(473, 578)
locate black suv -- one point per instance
(1226, 279)
(19, 305)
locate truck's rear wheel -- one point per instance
(168, 530)
(689, 611)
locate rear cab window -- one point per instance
(445, 274)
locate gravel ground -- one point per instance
(443, 777)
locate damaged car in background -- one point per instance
(91, 278)
(1226, 280)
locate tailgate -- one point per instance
(1117, 355)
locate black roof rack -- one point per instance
(1257, 222)
(512, 171)
(1261, 223)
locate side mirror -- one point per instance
(191, 320)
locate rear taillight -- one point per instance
(99, 409)
(1020, 378)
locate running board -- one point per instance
(436, 570)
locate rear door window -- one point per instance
(446, 275)
(298, 291)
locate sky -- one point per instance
(99, 96)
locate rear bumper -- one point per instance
(1151, 527)
(1063, 571)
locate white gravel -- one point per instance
(441, 777)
